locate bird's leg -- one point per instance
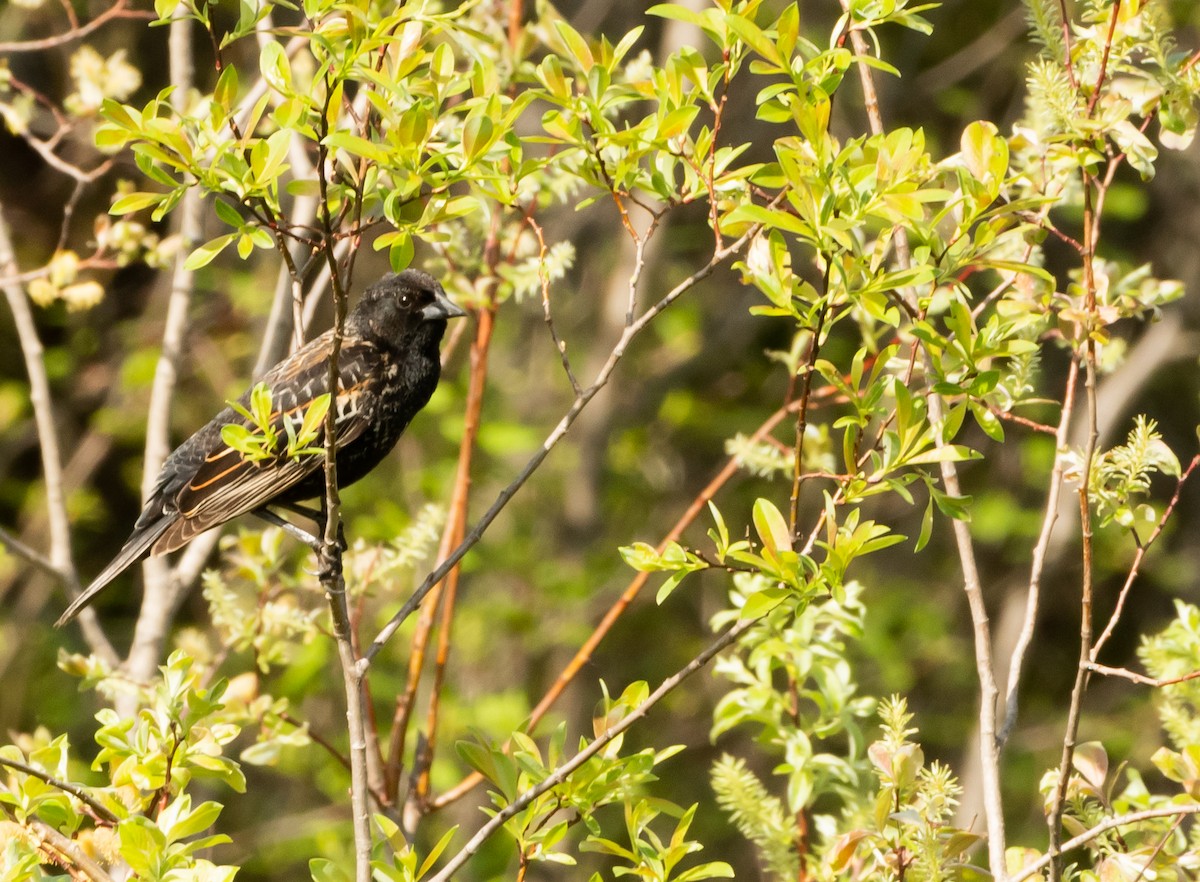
(317, 517)
(304, 511)
(288, 527)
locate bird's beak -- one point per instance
(442, 308)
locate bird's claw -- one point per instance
(329, 567)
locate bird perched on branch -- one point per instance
(267, 449)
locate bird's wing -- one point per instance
(225, 484)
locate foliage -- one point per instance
(934, 305)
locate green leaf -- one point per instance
(132, 202)
(477, 135)
(276, 69)
(926, 526)
(756, 39)
(436, 851)
(576, 45)
(771, 526)
(199, 819)
(204, 255)
(945, 453)
(325, 870)
(401, 252)
(762, 602)
(226, 90)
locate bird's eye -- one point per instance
(406, 299)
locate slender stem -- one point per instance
(810, 366)
(474, 411)
(584, 654)
(988, 748)
(47, 433)
(581, 400)
(1035, 868)
(75, 790)
(1097, 90)
(117, 10)
(331, 574)
(1138, 557)
(559, 775)
(1074, 711)
(1141, 679)
(1032, 597)
(161, 594)
(30, 555)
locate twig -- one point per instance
(117, 10)
(455, 528)
(1141, 679)
(1033, 592)
(1074, 711)
(52, 469)
(1064, 19)
(1162, 843)
(75, 790)
(1103, 827)
(810, 368)
(544, 278)
(584, 653)
(1113, 14)
(581, 400)
(68, 849)
(972, 587)
(331, 574)
(30, 555)
(160, 597)
(1138, 557)
(559, 775)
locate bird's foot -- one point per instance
(329, 568)
(288, 527)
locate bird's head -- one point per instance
(401, 306)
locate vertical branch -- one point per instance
(814, 349)
(40, 400)
(330, 564)
(1040, 551)
(161, 593)
(1054, 819)
(985, 668)
(456, 526)
(584, 654)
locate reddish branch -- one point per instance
(584, 654)
(77, 32)
(1138, 557)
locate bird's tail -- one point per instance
(135, 549)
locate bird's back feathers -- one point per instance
(388, 367)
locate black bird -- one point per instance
(389, 365)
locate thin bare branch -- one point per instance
(1142, 679)
(1138, 557)
(1033, 592)
(564, 771)
(161, 594)
(29, 555)
(972, 586)
(330, 558)
(584, 654)
(1035, 868)
(60, 556)
(581, 400)
(1075, 709)
(116, 11)
(78, 792)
